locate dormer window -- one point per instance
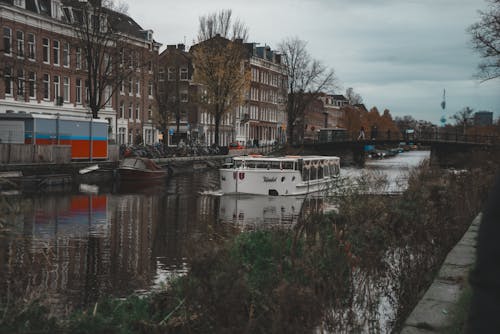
(20, 3)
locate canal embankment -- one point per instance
(435, 312)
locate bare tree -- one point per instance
(108, 59)
(220, 70)
(221, 23)
(353, 97)
(307, 78)
(463, 118)
(486, 41)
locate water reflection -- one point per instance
(76, 247)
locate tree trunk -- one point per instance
(217, 125)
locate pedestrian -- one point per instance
(361, 134)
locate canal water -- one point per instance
(74, 246)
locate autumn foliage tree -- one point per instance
(219, 66)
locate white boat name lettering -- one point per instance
(269, 179)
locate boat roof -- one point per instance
(286, 158)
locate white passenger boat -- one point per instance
(288, 175)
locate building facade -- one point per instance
(483, 118)
(262, 119)
(44, 68)
(324, 111)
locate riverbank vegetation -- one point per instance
(361, 267)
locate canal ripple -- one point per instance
(74, 247)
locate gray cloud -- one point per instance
(398, 53)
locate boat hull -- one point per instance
(141, 175)
(270, 182)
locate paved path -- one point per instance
(434, 311)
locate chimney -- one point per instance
(181, 47)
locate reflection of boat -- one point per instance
(251, 209)
(140, 169)
(289, 175)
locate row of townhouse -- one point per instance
(43, 70)
(260, 120)
(43, 67)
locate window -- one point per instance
(122, 109)
(150, 112)
(184, 96)
(107, 95)
(150, 88)
(161, 75)
(78, 85)
(20, 3)
(46, 53)
(46, 87)
(20, 44)
(66, 55)
(130, 111)
(57, 87)
(8, 81)
(32, 84)
(7, 41)
(183, 72)
(56, 52)
(171, 74)
(122, 88)
(121, 135)
(66, 89)
(20, 83)
(150, 66)
(138, 87)
(31, 47)
(137, 112)
(130, 86)
(78, 58)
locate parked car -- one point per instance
(236, 146)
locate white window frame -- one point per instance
(66, 55)
(46, 87)
(32, 85)
(56, 52)
(31, 46)
(66, 89)
(57, 87)
(78, 91)
(46, 50)
(78, 58)
(20, 43)
(8, 81)
(183, 74)
(170, 73)
(7, 39)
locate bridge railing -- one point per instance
(458, 137)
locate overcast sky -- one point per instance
(398, 54)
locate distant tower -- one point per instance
(443, 106)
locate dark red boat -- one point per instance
(140, 169)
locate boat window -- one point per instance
(287, 165)
(305, 174)
(238, 163)
(314, 173)
(320, 171)
(140, 164)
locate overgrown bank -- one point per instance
(337, 271)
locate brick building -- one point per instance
(262, 119)
(44, 69)
(324, 111)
